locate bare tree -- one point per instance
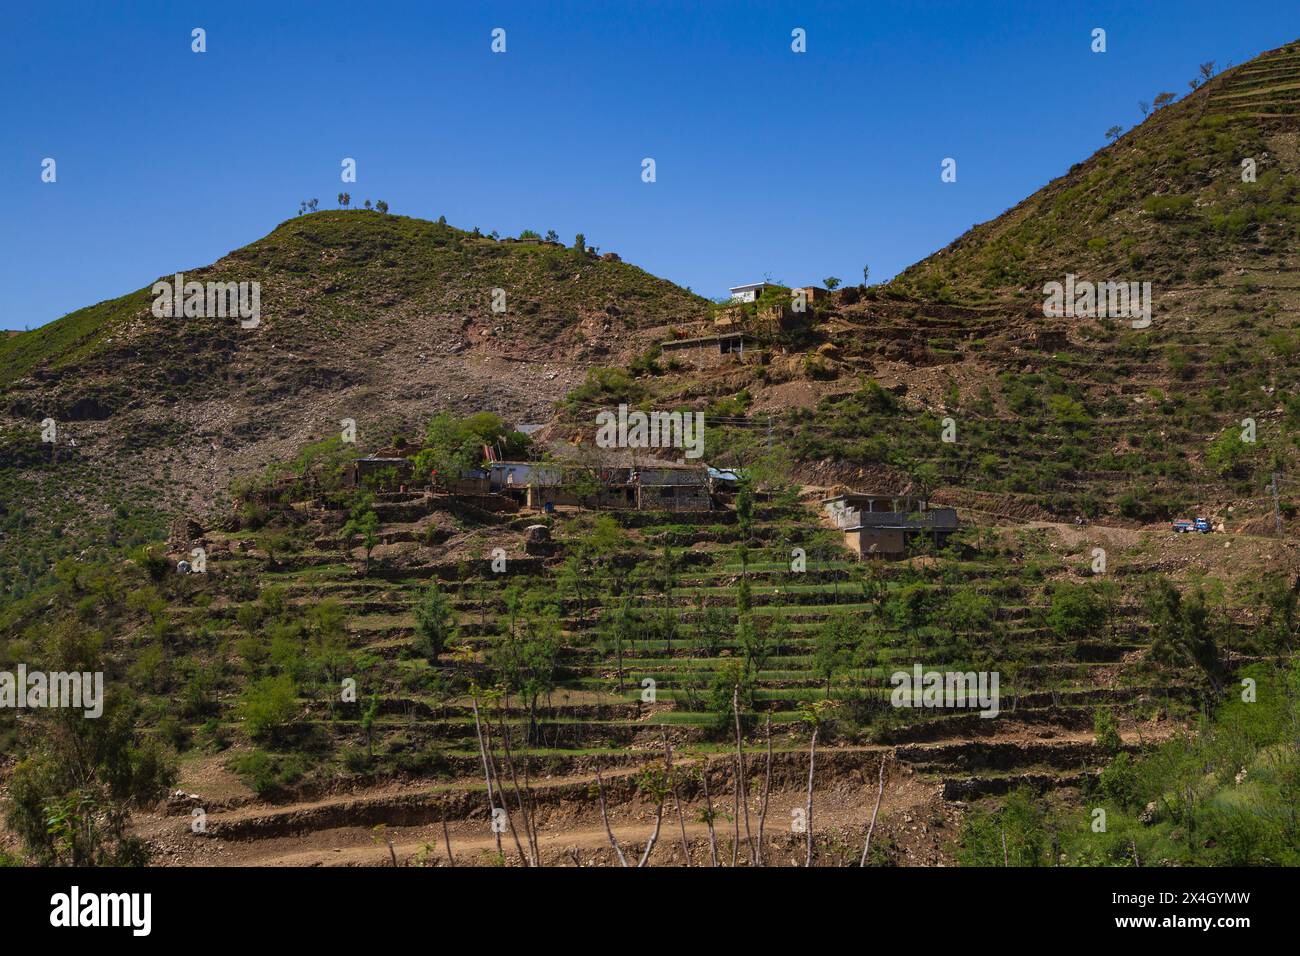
(1207, 70)
(446, 838)
(487, 775)
(808, 808)
(1112, 134)
(741, 790)
(1144, 106)
(656, 785)
(672, 781)
(533, 854)
(813, 715)
(880, 792)
(708, 814)
(604, 816)
(767, 790)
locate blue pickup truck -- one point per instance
(1186, 525)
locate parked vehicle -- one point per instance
(1187, 525)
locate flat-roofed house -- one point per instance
(749, 292)
(378, 465)
(877, 525)
(652, 487)
(710, 349)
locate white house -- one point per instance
(748, 293)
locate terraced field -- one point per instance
(1264, 88)
(599, 657)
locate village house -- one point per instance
(748, 293)
(710, 350)
(887, 526)
(654, 487)
(377, 465)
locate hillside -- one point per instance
(1164, 203)
(1064, 416)
(366, 674)
(377, 318)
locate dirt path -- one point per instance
(352, 829)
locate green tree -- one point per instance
(828, 648)
(1183, 633)
(1106, 730)
(365, 526)
(78, 779)
(1077, 611)
(435, 624)
(269, 706)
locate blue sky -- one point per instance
(769, 163)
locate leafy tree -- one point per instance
(1182, 632)
(585, 485)
(754, 644)
(829, 647)
(77, 779)
(907, 608)
(453, 445)
(1077, 611)
(745, 509)
(580, 243)
(365, 525)
(552, 235)
(1112, 134)
(381, 206)
(607, 537)
(268, 707)
(435, 623)
(831, 283)
(968, 612)
(710, 627)
(1228, 455)
(1106, 730)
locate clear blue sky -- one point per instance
(796, 166)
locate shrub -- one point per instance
(268, 706)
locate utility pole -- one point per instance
(1277, 511)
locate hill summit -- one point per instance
(378, 319)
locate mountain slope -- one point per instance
(1165, 202)
(381, 319)
(1067, 416)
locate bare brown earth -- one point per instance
(920, 811)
